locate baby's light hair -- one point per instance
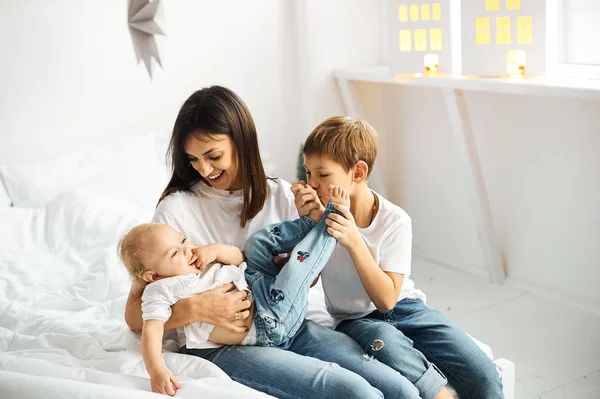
(133, 249)
(344, 140)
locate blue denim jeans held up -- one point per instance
(318, 362)
(281, 294)
(418, 342)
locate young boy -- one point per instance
(367, 286)
(161, 256)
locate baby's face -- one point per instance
(170, 255)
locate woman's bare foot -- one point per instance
(339, 195)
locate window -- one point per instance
(513, 4)
(492, 5)
(425, 13)
(403, 13)
(414, 12)
(436, 9)
(482, 30)
(405, 40)
(503, 30)
(579, 30)
(420, 39)
(524, 33)
(435, 40)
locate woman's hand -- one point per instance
(307, 201)
(219, 308)
(164, 382)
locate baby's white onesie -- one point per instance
(161, 294)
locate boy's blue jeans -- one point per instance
(281, 294)
(412, 337)
(332, 364)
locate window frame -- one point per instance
(564, 67)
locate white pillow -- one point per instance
(125, 169)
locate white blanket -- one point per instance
(62, 300)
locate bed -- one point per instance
(63, 291)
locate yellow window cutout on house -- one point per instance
(403, 13)
(436, 11)
(513, 4)
(420, 40)
(425, 12)
(524, 27)
(492, 5)
(515, 63)
(503, 30)
(414, 12)
(482, 29)
(435, 39)
(431, 63)
(405, 40)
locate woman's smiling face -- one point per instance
(214, 157)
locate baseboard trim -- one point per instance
(474, 271)
(554, 296)
(518, 284)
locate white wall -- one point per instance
(69, 71)
(68, 77)
(541, 165)
(341, 34)
(69, 74)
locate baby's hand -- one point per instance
(164, 382)
(206, 256)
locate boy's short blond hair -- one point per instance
(133, 249)
(344, 140)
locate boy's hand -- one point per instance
(164, 382)
(206, 255)
(307, 201)
(343, 228)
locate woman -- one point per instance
(219, 193)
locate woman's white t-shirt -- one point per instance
(205, 215)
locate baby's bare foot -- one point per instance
(339, 195)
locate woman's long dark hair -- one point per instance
(211, 111)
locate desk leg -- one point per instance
(463, 135)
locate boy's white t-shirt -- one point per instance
(206, 215)
(389, 239)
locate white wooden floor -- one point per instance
(555, 345)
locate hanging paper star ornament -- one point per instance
(146, 19)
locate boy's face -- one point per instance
(170, 255)
(321, 172)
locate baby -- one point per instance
(160, 255)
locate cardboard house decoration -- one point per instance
(503, 37)
(419, 36)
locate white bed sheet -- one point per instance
(62, 298)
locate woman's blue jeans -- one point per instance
(332, 364)
(416, 340)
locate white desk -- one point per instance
(453, 88)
